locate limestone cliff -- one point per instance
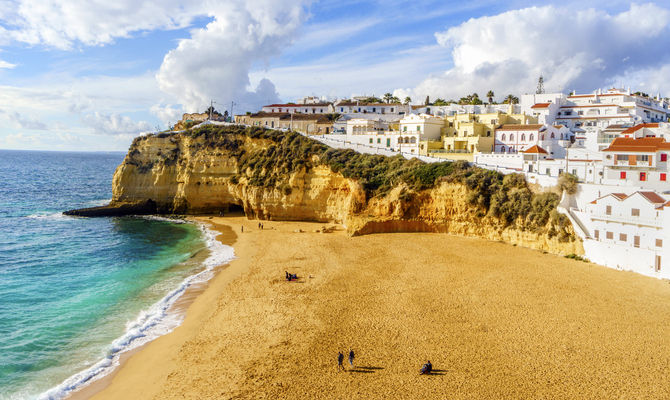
(196, 173)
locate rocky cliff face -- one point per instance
(187, 174)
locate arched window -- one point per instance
(542, 137)
(532, 137)
(561, 136)
(552, 135)
(413, 140)
(503, 137)
(523, 137)
(511, 137)
(502, 149)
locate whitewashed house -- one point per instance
(353, 107)
(513, 138)
(419, 127)
(639, 162)
(311, 108)
(629, 232)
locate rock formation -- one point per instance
(227, 168)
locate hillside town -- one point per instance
(615, 143)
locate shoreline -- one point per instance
(224, 236)
(496, 321)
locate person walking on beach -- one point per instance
(242, 230)
(351, 357)
(340, 358)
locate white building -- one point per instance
(357, 126)
(454, 109)
(351, 107)
(513, 138)
(639, 162)
(629, 232)
(312, 108)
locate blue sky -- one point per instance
(86, 75)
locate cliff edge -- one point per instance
(285, 176)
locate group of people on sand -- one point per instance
(291, 277)
(340, 359)
(426, 369)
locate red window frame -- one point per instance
(664, 177)
(664, 157)
(643, 176)
(622, 175)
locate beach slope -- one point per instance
(496, 321)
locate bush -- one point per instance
(568, 182)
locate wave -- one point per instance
(162, 219)
(57, 216)
(149, 324)
(98, 203)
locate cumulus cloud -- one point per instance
(114, 124)
(6, 65)
(572, 49)
(214, 62)
(23, 122)
(64, 23)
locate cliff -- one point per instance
(284, 176)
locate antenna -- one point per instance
(540, 85)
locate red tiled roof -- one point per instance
(636, 128)
(541, 105)
(619, 196)
(642, 145)
(652, 197)
(535, 150)
(519, 127)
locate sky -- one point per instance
(90, 75)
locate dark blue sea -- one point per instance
(77, 292)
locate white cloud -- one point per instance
(573, 49)
(215, 62)
(64, 23)
(114, 124)
(6, 65)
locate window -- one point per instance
(608, 210)
(548, 172)
(374, 109)
(552, 135)
(643, 176)
(488, 133)
(379, 140)
(532, 137)
(622, 174)
(418, 128)
(503, 137)
(391, 109)
(404, 129)
(623, 237)
(644, 158)
(659, 242)
(574, 172)
(635, 212)
(502, 149)
(388, 142)
(636, 241)
(664, 157)
(341, 109)
(663, 176)
(370, 140)
(580, 112)
(610, 235)
(511, 137)
(523, 137)
(596, 234)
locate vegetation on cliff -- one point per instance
(506, 198)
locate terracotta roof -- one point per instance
(642, 145)
(619, 196)
(652, 197)
(519, 127)
(541, 105)
(361, 104)
(636, 128)
(559, 126)
(535, 150)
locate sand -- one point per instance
(496, 321)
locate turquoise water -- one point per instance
(75, 292)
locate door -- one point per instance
(657, 267)
(636, 241)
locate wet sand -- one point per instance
(496, 321)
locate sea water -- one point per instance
(75, 293)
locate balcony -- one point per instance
(629, 220)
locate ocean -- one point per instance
(75, 293)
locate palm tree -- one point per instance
(388, 97)
(408, 100)
(511, 99)
(490, 95)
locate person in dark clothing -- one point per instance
(351, 358)
(427, 368)
(340, 358)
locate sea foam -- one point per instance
(149, 324)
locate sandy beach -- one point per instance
(496, 321)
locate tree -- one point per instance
(440, 102)
(470, 99)
(490, 95)
(211, 111)
(568, 182)
(408, 100)
(388, 97)
(395, 99)
(225, 115)
(511, 99)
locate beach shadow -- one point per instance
(438, 372)
(361, 371)
(370, 368)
